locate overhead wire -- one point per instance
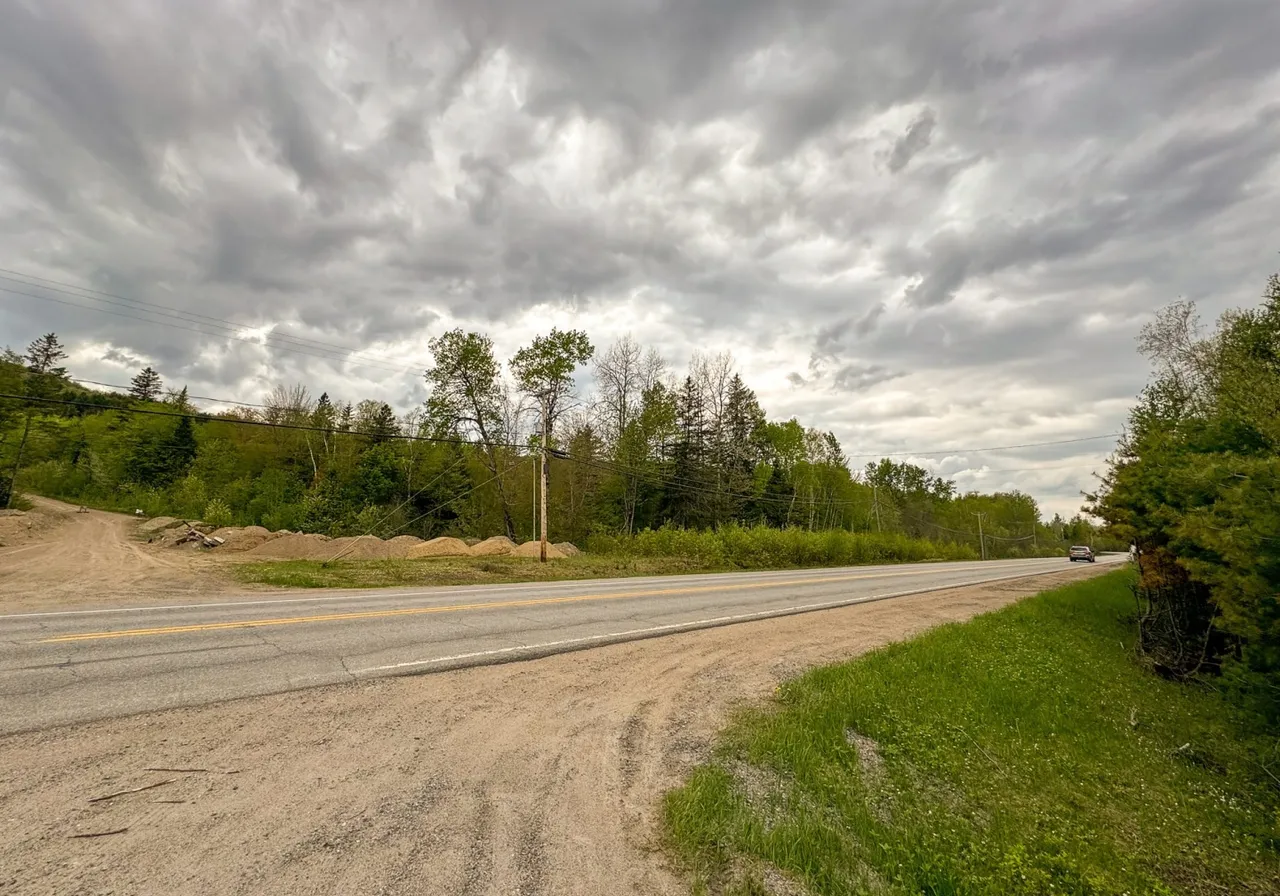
(169, 311)
(322, 354)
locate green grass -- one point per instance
(457, 571)
(1024, 752)
(760, 547)
(665, 551)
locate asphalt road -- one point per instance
(74, 666)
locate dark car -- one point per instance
(1080, 552)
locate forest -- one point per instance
(648, 449)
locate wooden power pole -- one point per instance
(982, 542)
(542, 549)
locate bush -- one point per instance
(762, 547)
(217, 513)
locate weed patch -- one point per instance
(1024, 752)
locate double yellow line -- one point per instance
(458, 608)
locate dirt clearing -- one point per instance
(55, 556)
(530, 778)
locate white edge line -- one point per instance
(357, 594)
(535, 651)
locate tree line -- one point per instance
(648, 448)
(1194, 484)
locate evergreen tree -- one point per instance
(687, 502)
(146, 385)
(43, 356)
(183, 449)
(179, 400)
(382, 425)
(779, 493)
(324, 416)
(739, 445)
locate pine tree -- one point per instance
(739, 446)
(382, 425)
(687, 495)
(324, 415)
(180, 401)
(183, 448)
(146, 386)
(43, 356)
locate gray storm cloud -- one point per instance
(918, 197)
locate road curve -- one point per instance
(79, 665)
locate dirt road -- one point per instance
(539, 777)
(55, 556)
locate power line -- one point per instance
(232, 401)
(107, 297)
(160, 323)
(244, 404)
(199, 417)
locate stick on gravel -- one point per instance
(111, 796)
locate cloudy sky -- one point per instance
(923, 225)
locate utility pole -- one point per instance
(981, 541)
(543, 546)
(875, 501)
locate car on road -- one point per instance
(1080, 552)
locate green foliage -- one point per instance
(653, 453)
(1194, 485)
(217, 513)
(146, 385)
(1020, 753)
(762, 547)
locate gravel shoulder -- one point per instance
(535, 777)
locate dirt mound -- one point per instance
(400, 546)
(360, 547)
(440, 547)
(236, 539)
(295, 547)
(568, 548)
(490, 547)
(534, 549)
(158, 523)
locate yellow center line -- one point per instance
(455, 608)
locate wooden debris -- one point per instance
(111, 796)
(184, 770)
(97, 834)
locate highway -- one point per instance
(80, 665)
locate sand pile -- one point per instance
(295, 547)
(495, 546)
(160, 522)
(440, 547)
(236, 539)
(534, 549)
(568, 548)
(400, 546)
(360, 547)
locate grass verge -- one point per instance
(458, 571)
(1024, 752)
